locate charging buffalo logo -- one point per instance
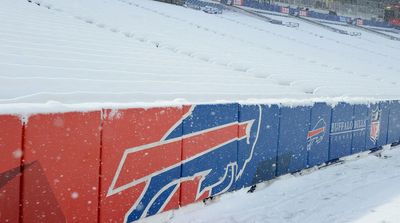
(208, 164)
(375, 125)
(316, 134)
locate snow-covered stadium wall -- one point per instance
(121, 165)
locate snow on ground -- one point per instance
(128, 51)
(360, 190)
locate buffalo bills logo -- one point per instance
(316, 134)
(375, 125)
(208, 166)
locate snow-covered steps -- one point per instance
(91, 52)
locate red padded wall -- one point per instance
(127, 129)
(10, 160)
(61, 178)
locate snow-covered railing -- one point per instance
(201, 4)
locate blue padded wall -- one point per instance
(219, 160)
(318, 134)
(394, 123)
(341, 131)
(359, 128)
(384, 123)
(257, 155)
(292, 146)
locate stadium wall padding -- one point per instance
(318, 134)
(61, 167)
(10, 167)
(294, 125)
(359, 128)
(121, 165)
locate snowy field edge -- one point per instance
(320, 194)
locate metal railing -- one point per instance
(365, 9)
(177, 2)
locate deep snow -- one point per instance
(360, 190)
(129, 51)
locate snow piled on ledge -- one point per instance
(27, 109)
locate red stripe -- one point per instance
(197, 144)
(145, 162)
(315, 132)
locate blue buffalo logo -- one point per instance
(208, 164)
(316, 134)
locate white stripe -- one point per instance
(180, 121)
(349, 131)
(253, 147)
(112, 190)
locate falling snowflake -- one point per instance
(74, 195)
(17, 153)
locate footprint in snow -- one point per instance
(89, 21)
(114, 30)
(173, 49)
(309, 91)
(187, 53)
(261, 76)
(100, 25)
(222, 64)
(241, 69)
(142, 39)
(205, 59)
(128, 34)
(284, 83)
